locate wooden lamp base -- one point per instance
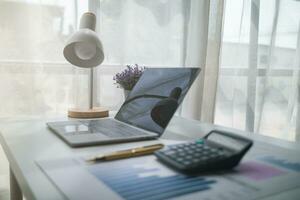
(97, 112)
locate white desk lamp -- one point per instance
(84, 49)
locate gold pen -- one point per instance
(139, 151)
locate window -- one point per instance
(35, 79)
(259, 72)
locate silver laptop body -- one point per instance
(144, 115)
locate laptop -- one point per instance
(144, 115)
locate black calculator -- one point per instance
(218, 150)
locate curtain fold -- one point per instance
(295, 99)
(195, 55)
(212, 61)
(258, 84)
(203, 44)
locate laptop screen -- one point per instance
(156, 96)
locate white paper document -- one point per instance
(259, 175)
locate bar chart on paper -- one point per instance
(145, 178)
(286, 164)
(146, 181)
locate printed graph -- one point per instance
(258, 171)
(147, 181)
(294, 166)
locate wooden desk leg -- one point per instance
(15, 191)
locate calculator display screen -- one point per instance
(227, 141)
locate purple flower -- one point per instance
(129, 77)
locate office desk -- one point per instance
(26, 141)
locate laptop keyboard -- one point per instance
(110, 128)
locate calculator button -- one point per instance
(187, 162)
(200, 141)
(169, 152)
(199, 145)
(198, 150)
(172, 155)
(179, 159)
(197, 154)
(181, 154)
(213, 150)
(204, 158)
(173, 147)
(190, 152)
(221, 153)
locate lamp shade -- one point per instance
(84, 48)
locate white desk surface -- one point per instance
(25, 141)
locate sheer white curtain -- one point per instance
(173, 33)
(202, 48)
(36, 79)
(259, 76)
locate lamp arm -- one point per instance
(91, 87)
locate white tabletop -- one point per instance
(25, 141)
